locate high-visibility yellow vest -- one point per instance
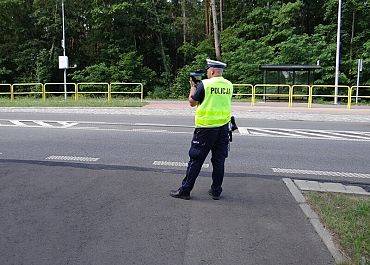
(215, 110)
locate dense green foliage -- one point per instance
(142, 40)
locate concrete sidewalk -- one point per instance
(65, 213)
(268, 106)
(275, 111)
(269, 111)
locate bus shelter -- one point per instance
(289, 74)
(284, 75)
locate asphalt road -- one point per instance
(68, 213)
(142, 140)
(93, 189)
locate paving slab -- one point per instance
(65, 213)
(332, 187)
(356, 190)
(308, 185)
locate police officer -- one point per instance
(212, 97)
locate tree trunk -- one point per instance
(160, 39)
(221, 15)
(215, 30)
(52, 49)
(207, 17)
(352, 36)
(183, 7)
(163, 54)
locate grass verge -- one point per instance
(60, 102)
(348, 218)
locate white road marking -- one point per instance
(315, 135)
(321, 173)
(161, 125)
(175, 164)
(102, 129)
(43, 124)
(243, 130)
(149, 130)
(305, 133)
(268, 131)
(73, 158)
(344, 135)
(66, 124)
(18, 123)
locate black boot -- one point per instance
(213, 195)
(180, 194)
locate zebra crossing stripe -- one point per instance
(320, 173)
(243, 131)
(315, 135)
(305, 133)
(73, 158)
(175, 164)
(266, 131)
(43, 124)
(66, 124)
(18, 123)
(344, 135)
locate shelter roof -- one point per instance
(289, 67)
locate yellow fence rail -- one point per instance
(293, 95)
(276, 95)
(251, 94)
(314, 88)
(141, 92)
(252, 91)
(354, 93)
(78, 92)
(42, 92)
(46, 85)
(6, 93)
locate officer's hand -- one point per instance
(191, 82)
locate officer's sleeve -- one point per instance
(199, 93)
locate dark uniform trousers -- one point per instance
(204, 140)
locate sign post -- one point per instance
(359, 69)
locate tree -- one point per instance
(215, 30)
(160, 41)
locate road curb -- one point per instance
(184, 110)
(315, 221)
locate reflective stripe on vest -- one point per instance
(215, 109)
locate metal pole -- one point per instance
(64, 54)
(338, 51)
(359, 69)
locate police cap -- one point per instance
(215, 64)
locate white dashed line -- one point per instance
(175, 164)
(150, 130)
(73, 158)
(321, 173)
